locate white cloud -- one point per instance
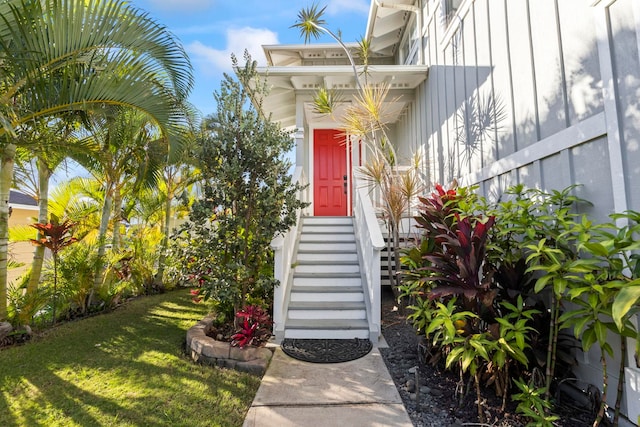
(336, 7)
(213, 60)
(181, 5)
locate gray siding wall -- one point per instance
(540, 92)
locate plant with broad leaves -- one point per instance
(512, 341)
(533, 405)
(599, 296)
(254, 329)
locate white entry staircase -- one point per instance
(327, 298)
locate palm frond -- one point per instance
(310, 22)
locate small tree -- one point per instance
(247, 198)
(54, 236)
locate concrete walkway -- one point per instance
(359, 393)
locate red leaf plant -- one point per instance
(54, 236)
(459, 247)
(254, 329)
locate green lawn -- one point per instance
(125, 368)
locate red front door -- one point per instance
(329, 172)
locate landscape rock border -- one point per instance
(205, 349)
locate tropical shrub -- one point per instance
(134, 267)
(474, 263)
(76, 272)
(24, 307)
(505, 282)
(247, 198)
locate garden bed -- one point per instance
(432, 400)
(206, 349)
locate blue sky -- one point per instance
(211, 30)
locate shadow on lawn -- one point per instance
(126, 367)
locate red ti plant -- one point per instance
(460, 262)
(54, 236)
(254, 329)
(460, 243)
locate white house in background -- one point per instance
(554, 85)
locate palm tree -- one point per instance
(38, 156)
(127, 154)
(178, 177)
(79, 55)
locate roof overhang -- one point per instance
(386, 24)
(24, 207)
(288, 55)
(286, 83)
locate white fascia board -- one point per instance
(342, 69)
(24, 207)
(307, 47)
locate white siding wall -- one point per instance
(565, 76)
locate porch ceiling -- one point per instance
(286, 83)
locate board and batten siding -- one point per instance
(540, 92)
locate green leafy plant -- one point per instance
(595, 297)
(556, 257)
(470, 353)
(247, 198)
(24, 306)
(533, 405)
(76, 270)
(513, 340)
(488, 257)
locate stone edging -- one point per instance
(205, 349)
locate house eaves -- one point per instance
(386, 24)
(287, 55)
(286, 83)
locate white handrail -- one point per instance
(283, 251)
(370, 242)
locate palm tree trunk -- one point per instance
(165, 239)
(6, 175)
(102, 238)
(117, 217)
(44, 175)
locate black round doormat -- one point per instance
(326, 350)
